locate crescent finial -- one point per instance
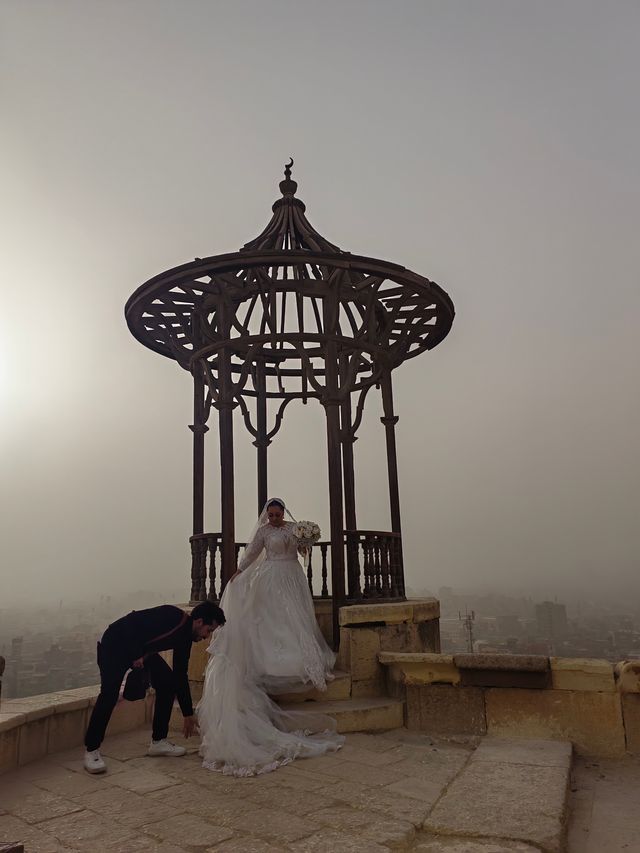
(287, 168)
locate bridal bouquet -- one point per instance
(307, 533)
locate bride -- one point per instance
(271, 643)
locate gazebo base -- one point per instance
(366, 629)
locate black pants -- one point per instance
(113, 668)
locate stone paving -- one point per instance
(392, 791)
(605, 806)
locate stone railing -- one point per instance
(593, 703)
(35, 726)
(373, 566)
(206, 561)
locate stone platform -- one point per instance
(396, 790)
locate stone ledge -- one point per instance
(420, 668)
(518, 663)
(47, 704)
(392, 613)
(627, 676)
(526, 671)
(586, 674)
(11, 720)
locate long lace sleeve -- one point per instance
(252, 551)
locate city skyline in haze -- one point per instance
(490, 147)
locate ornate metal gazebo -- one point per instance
(293, 317)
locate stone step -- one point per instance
(339, 688)
(359, 715)
(510, 791)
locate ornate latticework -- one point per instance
(290, 316)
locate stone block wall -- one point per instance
(593, 703)
(369, 630)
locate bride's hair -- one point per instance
(276, 502)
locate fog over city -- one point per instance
(491, 147)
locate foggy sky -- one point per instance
(492, 147)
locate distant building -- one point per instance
(551, 620)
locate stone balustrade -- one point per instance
(593, 703)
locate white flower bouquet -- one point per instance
(307, 533)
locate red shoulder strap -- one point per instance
(164, 636)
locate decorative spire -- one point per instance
(289, 229)
(288, 186)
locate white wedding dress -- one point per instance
(271, 643)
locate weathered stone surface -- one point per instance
(9, 739)
(275, 826)
(425, 609)
(67, 729)
(464, 845)
(526, 671)
(429, 636)
(198, 661)
(418, 669)
(244, 844)
(299, 803)
(443, 709)
(126, 717)
(336, 842)
(343, 658)
(500, 800)
(144, 781)
(381, 800)
(389, 614)
(397, 638)
(68, 784)
(34, 805)
(627, 674)
(188, 829)
(81, 829)
(591, 721)
(338, 688)
(364, 649)
(366, 824)
(361, 715)
(582, 674)
(524, 663)
(604, 813)
(351, 771)
(368, 687)
(34, 737)
(32, 836)
(540, 753)
(631, 716)
(10, 719)
(126, 807)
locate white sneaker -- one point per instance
(93, 762)
(165, 747)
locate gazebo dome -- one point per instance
(290, 290)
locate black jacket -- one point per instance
(131, 638)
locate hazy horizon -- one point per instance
(490, 147)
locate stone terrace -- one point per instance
(381, 792)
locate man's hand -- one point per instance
(234, 576)
(189, 726)
(138, 664)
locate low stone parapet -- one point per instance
(591, 702)
(35, 726)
